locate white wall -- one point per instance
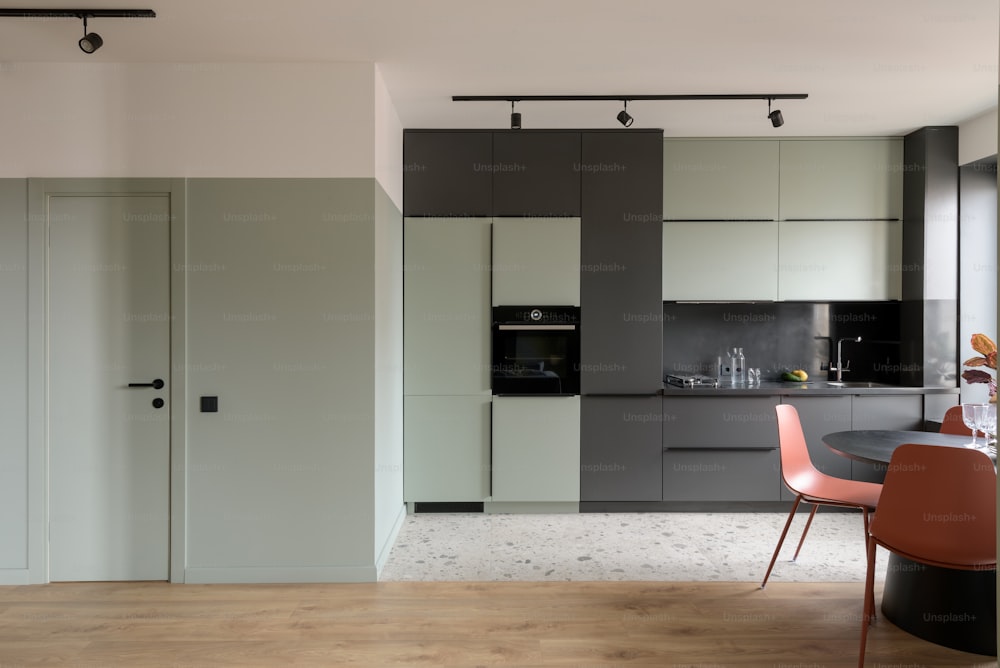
(187, 119)
(977, 137)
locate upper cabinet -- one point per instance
(536, 261)
(720, 260)
(446, 312)
(720, 179)
(448, 173)
(536, 173)
(841, 179)
(853, 260)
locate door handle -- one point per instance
(156, 384)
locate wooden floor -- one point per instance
(451, 624)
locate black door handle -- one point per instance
(156, 384)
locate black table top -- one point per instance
(876, 446)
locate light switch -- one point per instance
(210, 404)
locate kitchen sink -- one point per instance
(854, 384)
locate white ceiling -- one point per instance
(870, 67)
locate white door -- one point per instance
(109, 444)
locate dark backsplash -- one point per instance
(781, 336)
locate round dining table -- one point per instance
(950, 607)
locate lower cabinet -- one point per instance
(720, 449)
(620, 448)
(446, 448)
(902, 412)
(536, 449)
(820, 416)
(702, 474)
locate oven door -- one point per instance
(536, 358)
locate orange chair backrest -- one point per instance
(938, 505)
(797, 469)
(952, 422)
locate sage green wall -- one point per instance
(13, 381)
(284, 309)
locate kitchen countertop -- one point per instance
(815, 388)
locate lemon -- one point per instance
(801, 374)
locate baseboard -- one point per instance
(280, 575)
(538, 507)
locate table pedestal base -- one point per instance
(948, 607)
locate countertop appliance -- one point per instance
(536, 350)
(691, 380)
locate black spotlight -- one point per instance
(623, 116)
(775, 116)
(90, 41)
(515, 117)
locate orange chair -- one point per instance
(952, 422)
(926, 487)
(812, 485)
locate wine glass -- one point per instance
(986, 418)
(969, 418)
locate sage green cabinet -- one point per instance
(446, 357)
(720, 179)
(536, 449)
(720, 260)
(536, 261)
(830, 260)
(446, 309)
(447, 448)
(841, 178)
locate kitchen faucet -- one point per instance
(840, 362)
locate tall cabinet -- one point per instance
(446, 352)
(621, 315)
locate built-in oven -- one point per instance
(536, 350)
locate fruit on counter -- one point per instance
(796, 376)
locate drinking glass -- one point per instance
(969, 418)
(986, 418)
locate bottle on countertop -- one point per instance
(740, 372)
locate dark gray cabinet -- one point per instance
(720, 449)
(447, 173)
(536, 173)
(820, 416)
(720, 423)
(720, 475)
(620, 273)
(620, 453)
(883, 412)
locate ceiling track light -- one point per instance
(775, 116)
(623, 116)
(91, 41)
(515, 117)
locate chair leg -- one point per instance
(870, 595)
(869, 605)
(781, 540)
(805, 531)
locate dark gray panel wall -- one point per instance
(536, 173)
(620, 274)
(930, 257)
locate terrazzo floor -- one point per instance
(689, 547)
